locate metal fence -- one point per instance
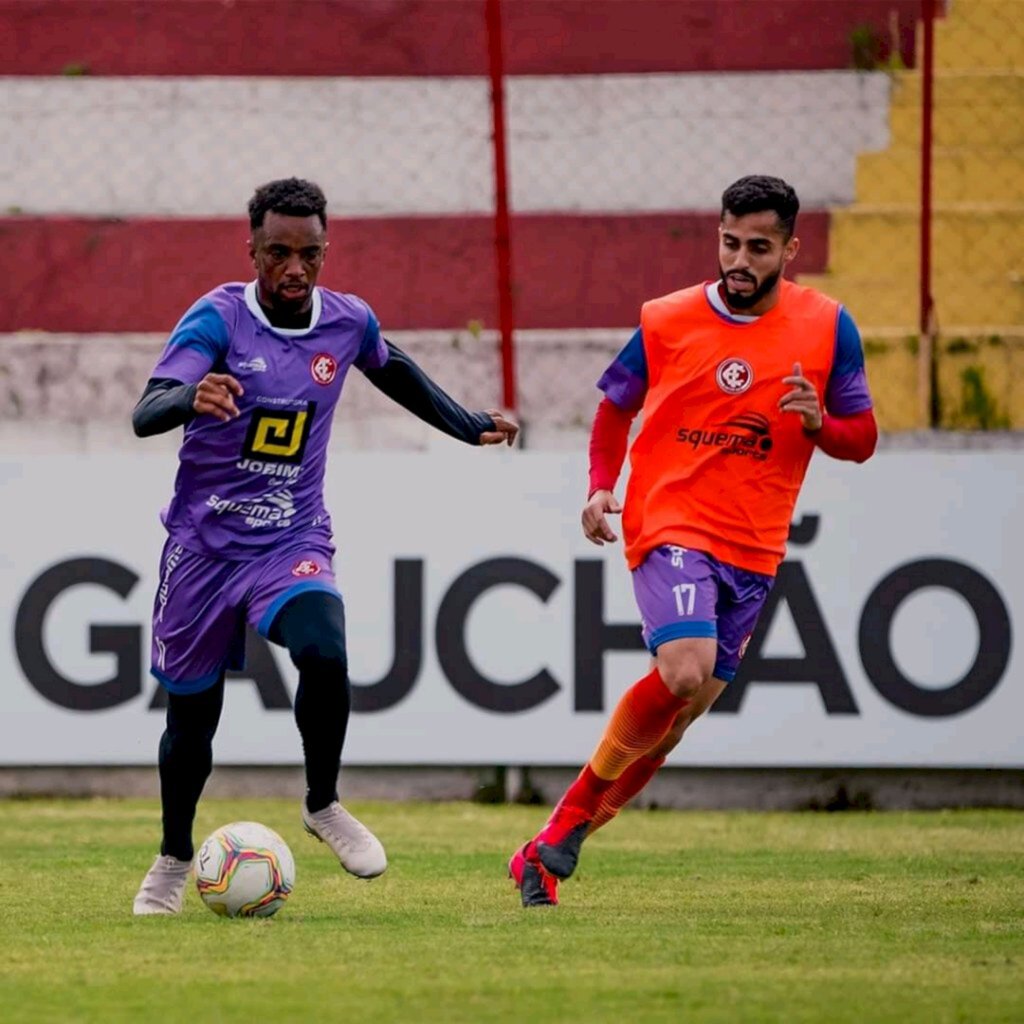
(128, 161)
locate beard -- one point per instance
(737, 300)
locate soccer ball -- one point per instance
(245, 870)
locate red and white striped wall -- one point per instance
(134, 133)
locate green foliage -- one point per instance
(959, 345)
(884, 346)
(874, 347)
(75, 70)
(865, 47)
(869, 50)
(978, 409)
(707, 918)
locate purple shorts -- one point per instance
(685, 593)
(202, 606)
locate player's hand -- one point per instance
(595, 526)
(215, 396)
(803, 399)
(504, 429)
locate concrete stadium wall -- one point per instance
(75, 392)
(66, 392)
(382, 147)
(672, 788)
(439, 37)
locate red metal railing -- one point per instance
(502, 240)
(926, 325)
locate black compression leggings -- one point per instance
(186, 757)
(312, 627)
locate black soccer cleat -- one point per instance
(558, 846)
(536, 887)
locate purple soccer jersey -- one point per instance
(256, 482)
(686, 593)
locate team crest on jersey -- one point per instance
(324, 368)
(306, 567)
(734, 375)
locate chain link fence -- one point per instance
(977, 216)
(123, 195)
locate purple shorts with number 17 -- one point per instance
(685, 593)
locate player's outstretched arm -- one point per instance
(405, 383)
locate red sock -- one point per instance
(640, 719)
(584, 795)
(625, 787)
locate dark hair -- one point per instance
(290, 196)
(758, 192)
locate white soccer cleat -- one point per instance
(358, 849)
(163, 888)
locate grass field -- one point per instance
(695, 917)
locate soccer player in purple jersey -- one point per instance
(253, 373)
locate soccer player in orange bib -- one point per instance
(738, 380)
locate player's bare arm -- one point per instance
(601, 503)
(802, 399)
(215, 396)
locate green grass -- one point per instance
(695, 917)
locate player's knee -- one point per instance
(683, 675)
(319, 649)
(312, 627)
(325, 660)
(192, 718)
(187, 745)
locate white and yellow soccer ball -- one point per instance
(245, 870)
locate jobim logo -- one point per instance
(748, 434)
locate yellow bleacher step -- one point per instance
(958, 176)
(875, 303)
(980, 33)
(978, 237)
(889, 300)
(1000, 362)
(893, 377)
(964, 127)
(977, 89)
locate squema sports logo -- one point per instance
(748, 434)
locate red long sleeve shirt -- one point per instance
(851, 438)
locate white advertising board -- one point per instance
(483, 629)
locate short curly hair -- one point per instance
(758, 192)
(293, 197)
